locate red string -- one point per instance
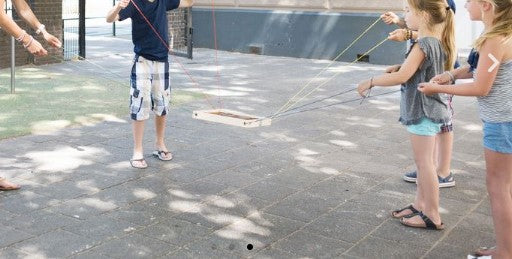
(214, 24)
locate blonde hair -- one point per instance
(440, 13)
(502, 24)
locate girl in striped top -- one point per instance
(493, 87)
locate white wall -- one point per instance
(467, 30)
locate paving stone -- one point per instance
(305, 244)
(342, 229)
(303, 206)
(84, 208)
(374, 247)
(141, 213)
(268, 190)
(55, 244)
(9, 236)
(135, 246)
(101, 228)
(176, 232)
(41, 221)
(26, 201)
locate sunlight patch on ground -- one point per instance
(278, 137)
(64, 158)
(185, 206)
(472, 127)
(343, 143)
(49, 127)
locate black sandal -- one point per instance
(410, 207)
(429, 224)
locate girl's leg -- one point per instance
(427, 194)
(499, 187)
(444, 153)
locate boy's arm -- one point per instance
(23, 9)
(186, 3)
(113, 14)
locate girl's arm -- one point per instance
(485, 79)
(449, 77)
(26, 13)
(407, 70)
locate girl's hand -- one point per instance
(398, 35)
(390, 18)
(52, 40)
(393, 69)
(363, 87)
(35, 48)
(428, 88)
(442, 79)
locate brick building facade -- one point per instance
(49, 13)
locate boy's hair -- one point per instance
(502, 24)
(440, 13)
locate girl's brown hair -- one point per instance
(502, 24)
(440, 13)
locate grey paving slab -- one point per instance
(9, 236)
(176, 232)
(319, 182)
(134, 246)
(304, 244)
(41, 221)
(57, 243)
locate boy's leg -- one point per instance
(161, 92)
(140, 103)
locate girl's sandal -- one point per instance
(427, 222)
(410, 207)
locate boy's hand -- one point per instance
(390, 18)
(398, 35)
(393, 69)
(123, 3)
(363, 87)
(441, 79)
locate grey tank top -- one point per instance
(497, 105)
(414, 105)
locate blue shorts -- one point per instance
(498, 137)
(425, 127)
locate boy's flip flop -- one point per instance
(426, 224)
(163, 155)
(142, 161)
(7, 186)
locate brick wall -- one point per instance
(49, 12)
(177, 28)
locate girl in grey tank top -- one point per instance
(493, 88)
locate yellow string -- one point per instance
(335, 75)
(328, 66)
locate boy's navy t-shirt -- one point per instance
(147, 43)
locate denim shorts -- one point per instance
(498, 137)
(425, 127)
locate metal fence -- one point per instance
(70, 27)
(180, 22)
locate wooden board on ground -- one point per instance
(231, 118)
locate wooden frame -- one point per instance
(231, 117)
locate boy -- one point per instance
(150, 88)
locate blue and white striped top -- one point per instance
(497, 105)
